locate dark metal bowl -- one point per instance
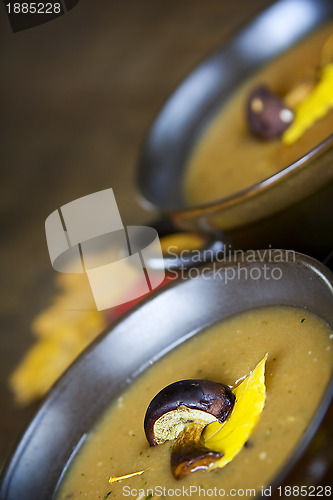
(291, 209)
(147, 333)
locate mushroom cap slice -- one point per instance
(183, 402)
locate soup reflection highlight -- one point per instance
(298, 368)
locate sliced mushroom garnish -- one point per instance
(188, 455)
(268, 116)
(187, 401)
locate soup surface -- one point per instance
(228, 157)
(299, 366)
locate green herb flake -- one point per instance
(149, 496)
(106, 495)
(140, 452)
(302, 320)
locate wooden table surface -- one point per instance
(78, 95)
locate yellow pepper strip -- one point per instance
(313, 107)
(127, 476)
(230, 436)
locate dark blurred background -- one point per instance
(78, 95)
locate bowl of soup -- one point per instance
(215, 324)
(204, 168)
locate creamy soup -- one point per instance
(298, 368)
(227, 157)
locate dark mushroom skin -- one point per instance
(267, 115)
(192, 459)
(197, 394)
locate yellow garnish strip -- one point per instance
(313, 107)
(126, 476)
(230, 436)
